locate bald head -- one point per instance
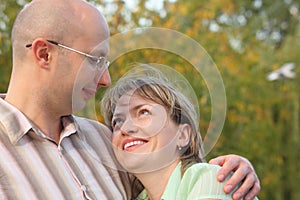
(46, 76)
(59, 20)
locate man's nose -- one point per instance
(104, 79)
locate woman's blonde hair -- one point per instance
(151, 84)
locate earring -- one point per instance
(179, 148)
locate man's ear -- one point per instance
(42, 52)
(184, 135)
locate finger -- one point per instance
(230, 165)
(254, 191)
(238, 176)
(246, 186)
(218, 161)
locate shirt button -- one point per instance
(83, 187)
(61, 149)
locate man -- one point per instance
(45, 151)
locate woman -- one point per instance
(156, 138)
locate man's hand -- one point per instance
(243, 171)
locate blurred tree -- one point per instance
(8, 12)
(246, 40)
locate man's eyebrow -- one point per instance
(101, 51)
(98, 54)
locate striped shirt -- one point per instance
(81, 166)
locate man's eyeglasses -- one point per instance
(100, 61)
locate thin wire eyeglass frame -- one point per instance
(100, 61)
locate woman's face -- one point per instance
(143, 134)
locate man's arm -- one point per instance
(243, 171)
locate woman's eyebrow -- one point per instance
(139, 106)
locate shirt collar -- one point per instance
(17, 124)
(14, 121)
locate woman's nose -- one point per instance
(128, 127)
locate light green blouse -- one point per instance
(198, 182)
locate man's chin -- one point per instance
(78, 105)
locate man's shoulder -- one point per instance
(91, 126)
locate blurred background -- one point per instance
(256, 46)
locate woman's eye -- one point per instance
(144, 112)
(116, 122)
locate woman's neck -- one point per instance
(155, 182)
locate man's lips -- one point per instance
(89, 92)
(131, 144)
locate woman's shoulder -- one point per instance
(202, 168)
(200, 181)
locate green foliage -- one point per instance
(8, 12)
(247, 40)
(250, 40)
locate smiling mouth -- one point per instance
(133, 144)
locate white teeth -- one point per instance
(138, 142)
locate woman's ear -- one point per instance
(42, 52)
(184, 135)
